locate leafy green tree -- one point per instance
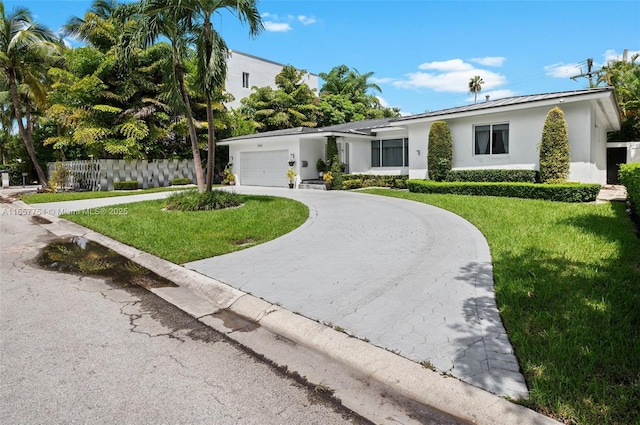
(475, 87)
(25, 49)
(624, 77)
(347, 95)
(554, 148)
(292, 104)
(107, 110)
(440, 155)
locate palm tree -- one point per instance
(104, 25)
(24, 47)
(211, 51)
(171, 23)
(349, 83)
(475, 86)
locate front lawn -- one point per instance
(567, 283)
(183, 236)
(40, 198)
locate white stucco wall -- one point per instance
(633, 152)
(418, 141)
(587, 148)
(262, 73)
(310, 150)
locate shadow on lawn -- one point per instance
(574, 324)
(488, 360)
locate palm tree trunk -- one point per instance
(211, 145)
(197, 162)
(25, 134)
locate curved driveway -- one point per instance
(406, 276)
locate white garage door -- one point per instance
(264, 168)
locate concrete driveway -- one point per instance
(406, 276)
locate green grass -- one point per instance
(183, 236)
(40, 198)
(567, 283)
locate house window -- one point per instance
(245, 80)
(390, 153)
(491, 139)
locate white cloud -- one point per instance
(307, 20)
(383, 102)
(276, 26)
(385, 80)
(277, 23)
(613, 55)
(449, 76)
(489, 60)
(453, 65)
(562, 70)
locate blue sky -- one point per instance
(424, 52)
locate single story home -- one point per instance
(501, 133)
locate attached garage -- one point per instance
(264, 168)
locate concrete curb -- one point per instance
(203, 297)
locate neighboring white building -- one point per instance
(245, 71)
(502, 133)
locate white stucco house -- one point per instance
(245, 71)
(502, 133)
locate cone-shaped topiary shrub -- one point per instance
(440, 156)
(554, 148)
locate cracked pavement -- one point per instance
(80, 349)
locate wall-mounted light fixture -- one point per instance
(418, 151)
(292, 160)
(231, 159)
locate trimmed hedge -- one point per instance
(554, 148)
(125, 185)
(519, 176)
(180, 181)
(630, 178)
(440, 151)
(568, 192)
(357, 181)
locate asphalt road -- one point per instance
(79, 349)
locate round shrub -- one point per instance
(192, 200)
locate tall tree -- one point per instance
(24, 47)
(624, 76)
(347, 95)
(162, 20)
(211, 50)
(292, 104)
(475, 86)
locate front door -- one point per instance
(615, 157)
